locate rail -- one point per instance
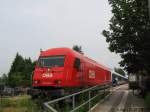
(92, 93)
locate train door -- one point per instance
(79, 68)
(82, 73)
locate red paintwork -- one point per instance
(68, 75)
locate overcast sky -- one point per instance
(28, 25)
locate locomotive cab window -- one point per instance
(51, 61)
(77, 63)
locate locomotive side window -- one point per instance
(77, 63)
(52, 61)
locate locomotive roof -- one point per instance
(64, 51)
(54, 51)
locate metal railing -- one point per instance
(92, 93)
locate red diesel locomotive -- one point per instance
(66, 68)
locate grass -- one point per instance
(18, 104)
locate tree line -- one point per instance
(20, 72)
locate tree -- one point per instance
(17, 66)
(4, 79)
(20, 72)
(28, 69)
(16, 79)
(77, 48)
(129, 34)
(120, 71)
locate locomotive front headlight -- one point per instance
(35, 81)
(58, 82)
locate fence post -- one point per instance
(104, 90)
(89, 100)
(73, 102)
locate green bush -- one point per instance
(147, 100)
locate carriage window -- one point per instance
(77, 64)
(52, 61)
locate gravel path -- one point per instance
(134, 103)
(121, 100)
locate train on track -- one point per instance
(60, 71)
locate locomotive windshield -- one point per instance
(52, 61)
